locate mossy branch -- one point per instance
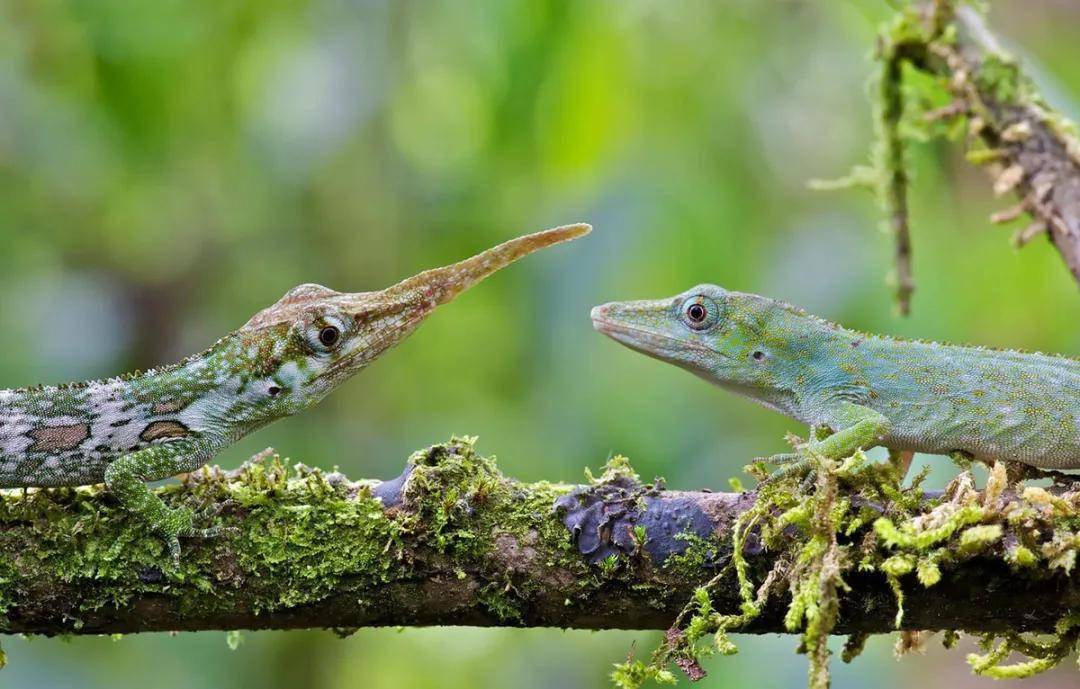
(1035, 151)
(944, 74)
(454, 542)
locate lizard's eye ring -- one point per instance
(700, 313)
(329, 336)
(324, 333)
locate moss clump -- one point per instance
(289, 516)
(295, 536)
(1000, 79)
(857, 515)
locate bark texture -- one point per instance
(449, 542)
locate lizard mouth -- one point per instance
(650, 342)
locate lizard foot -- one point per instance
(180, 524)
(789, 464)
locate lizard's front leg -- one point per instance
(858, 427)
(126, 478)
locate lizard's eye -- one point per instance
(329, 336)
(325, 333)
(700, 312)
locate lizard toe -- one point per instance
(802, 466)
(174, 549)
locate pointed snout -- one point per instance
(441, 285)
(598, 312)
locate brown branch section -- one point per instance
(1044, 156)
(450, 542)
(1034, 151)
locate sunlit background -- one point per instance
(169, 167)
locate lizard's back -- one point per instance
(68, 435)
(59, 436)
(992, 404)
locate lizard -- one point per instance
(147, 426)
(867, 389)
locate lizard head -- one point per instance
(314, 338)
(720, 335)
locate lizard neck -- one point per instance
(779, 357)
(234, 388)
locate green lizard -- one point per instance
(907, 395)
(142, 427)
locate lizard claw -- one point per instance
(180, 524)
(174, 549)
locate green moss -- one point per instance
(286, 541)
(928, 572)
(699, 554)
(633, 674)
(898, 565)
(802, 530)
(504, 607)
(977, 538)
(1000, 79)
(299, 538)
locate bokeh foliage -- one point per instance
(167, 168)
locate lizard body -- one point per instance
(142, 427)
(907, 395)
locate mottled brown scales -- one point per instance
(164, 429)
(58, 438)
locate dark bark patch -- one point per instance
(601, 520)
(390, 491)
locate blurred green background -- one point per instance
(169, 167)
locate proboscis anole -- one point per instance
(151, 425)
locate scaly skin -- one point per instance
(907, 395)
(149, 426)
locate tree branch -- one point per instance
(1029, 149)
(1038, 146)
(451, 541)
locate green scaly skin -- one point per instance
(907, 395)
(148, 426)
